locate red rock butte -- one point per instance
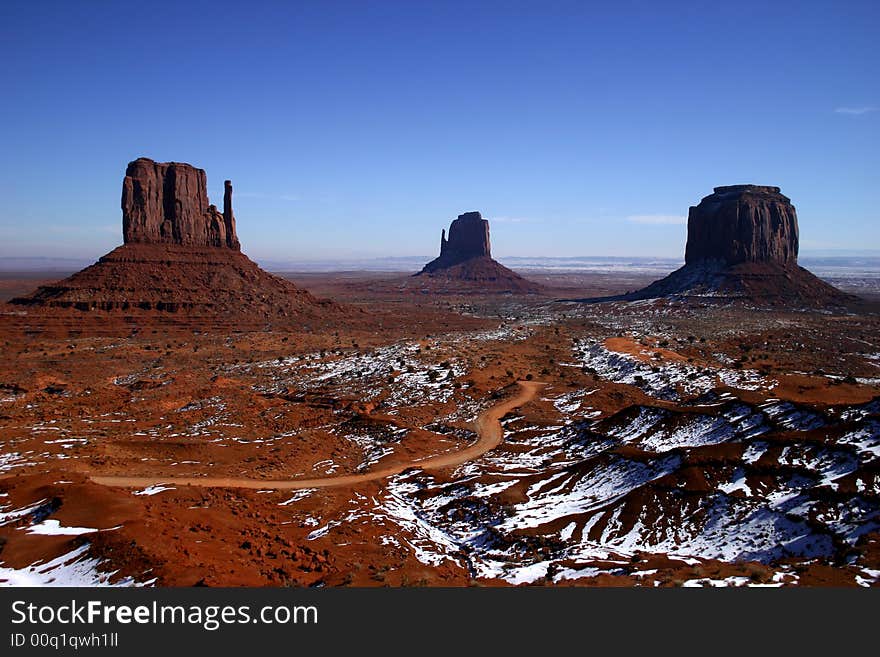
(743, 243)
(180, 256)
(465, 260)
(743, 223)
(167, 203)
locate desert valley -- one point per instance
(174, 415)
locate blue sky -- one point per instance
(362, 129)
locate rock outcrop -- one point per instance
(229, 217)
(181, 255)
(167, 203)
(465, 260)
(743, 244)
(468, 238)
(743, 223)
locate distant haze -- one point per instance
(842, 265)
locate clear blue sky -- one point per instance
(363, 128)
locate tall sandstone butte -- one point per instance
(180, 255)
(167, 203)
(743, 243)
(468, 238)
(466, 260)
(743, 223)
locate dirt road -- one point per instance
(489, 435)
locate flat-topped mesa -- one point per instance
(743, 245)
(743, 223)
(167, 203)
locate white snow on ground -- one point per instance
(706, 430)
(791, 417)
(488, 490)
(301, 494)
(866, 440)
(430, 545)
(754, 451)
(569, 494)
(868, 577)
(730, 530)
(737, 483)
(661, 378)
(327, 466)
(525, 574)
(706, 581)
(829, 462)
(505, 332)
(155, 489)
(647, 419)
(567, 532)
(10, 460)
(778, 580)
(67, 443)
(578, 573)
(7, 516)
(419, 376)
(860, 412)
(72, 569)
(52, 527)
(571, 401)
(374, 445)
(199, 404)
(322, 531)
(660, 430)
(575, 478)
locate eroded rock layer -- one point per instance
(170, 278)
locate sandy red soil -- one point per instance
(96, 407)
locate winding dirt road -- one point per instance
(489, 435)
